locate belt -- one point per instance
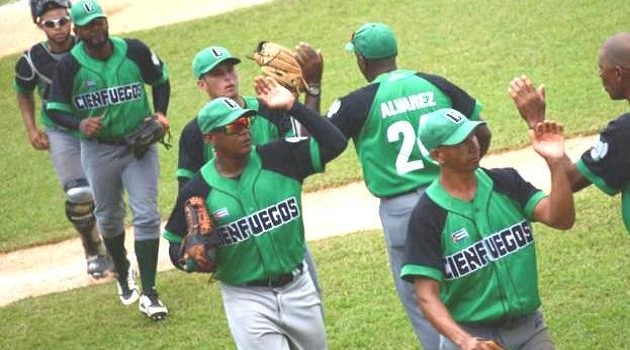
(503, 322)
(118, 142)
(278, 281)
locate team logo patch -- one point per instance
(221, 213)
(454, 116)
(459, 235)
(89, 7)
(231, 104)
(216, 53)
(155, 59)
(334, 108)
(599, 149)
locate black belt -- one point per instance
(114, 142)
(278, 281)
(503, 322)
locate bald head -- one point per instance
(616, 50)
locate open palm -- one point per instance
(548, 140)
(274, 95)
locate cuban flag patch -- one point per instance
(221, 213)
(459, 235)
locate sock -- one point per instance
(147, 255)
(116, 249)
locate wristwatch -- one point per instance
(314, 89)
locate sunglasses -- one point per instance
(236, 126)
(54, 23)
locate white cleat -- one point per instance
(127, 288)
(151, 305)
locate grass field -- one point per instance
(583, 282)
(553, 41)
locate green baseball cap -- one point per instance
(373, 41)
(208, 58)
(85, 11)
(445, 127)
(220, 112)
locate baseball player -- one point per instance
(605, 164)
(34, 70)
(254, 195)
(470, 249)
(382, 119)
(214, 68)
(99, 90)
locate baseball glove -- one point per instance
(150, 131)
(198, 250)
(279, 63)
(493, 345)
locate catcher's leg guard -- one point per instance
(80, 212)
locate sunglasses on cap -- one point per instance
(54, 23)
(236, 126)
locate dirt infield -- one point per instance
(58, 267)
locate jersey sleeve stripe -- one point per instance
(316, 159)
(171, 237)
(164, 77)
(532, 202)
(476, 114)
(184, 173)
(409, 272)
(596, 180)
(18, 88)
(59, 106)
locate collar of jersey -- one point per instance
(438, 194)
(234, 187)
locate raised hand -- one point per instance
(529, 101)
(274, 95)
(311, 62)
(548, 140)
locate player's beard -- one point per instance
(98, 41)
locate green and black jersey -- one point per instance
(259, 214)
(607, 163)
(113, 88)
(482, 252)
(268, 125)
(383, 117)
(35, 70)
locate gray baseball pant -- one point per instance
(395, 213)
(528, 332)
(275, 318)
(65, 155)
(110, 174)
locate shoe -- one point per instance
(98, 266)
(152, 306)
(127, 288)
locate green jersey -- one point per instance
(482, 252)
(259, 215)
(113, 88)
(268, 125)
(383, 118)
(607, 165)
